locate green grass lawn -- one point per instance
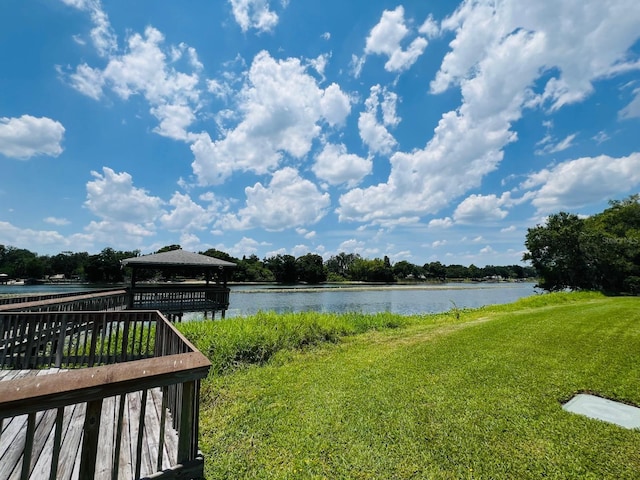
(468, 394)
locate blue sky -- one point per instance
(419, 130)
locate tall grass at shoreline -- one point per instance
(464, 394)
(237, 342)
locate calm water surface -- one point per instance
(404, 300)
(401, 299)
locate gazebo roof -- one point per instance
(177, 258)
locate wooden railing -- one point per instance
(5, 300)
(107, 355)
(179, 298)
(112, 299)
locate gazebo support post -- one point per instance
(132, 288)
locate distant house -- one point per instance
(58, 277)
(4, 278)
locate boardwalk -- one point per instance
(107, 300)
(116, 411)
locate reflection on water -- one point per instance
(402, 299)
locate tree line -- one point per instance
(105, 267)
(601, 252)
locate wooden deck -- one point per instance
(90, 394)
(116, 411)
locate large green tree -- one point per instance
(601, 252)
(612, 242)
(555, 251)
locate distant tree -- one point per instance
(376, 270)
(283, 268)
(106, 266)
(518, 271)
(339, 265)
(169, 248)
(404, 269)
(310, 269)
(457, 271)
(475, 272)
(252, 269)
(20, 263)
(212, 252)
(67, 263)
(435, 270)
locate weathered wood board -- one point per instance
(13, 435)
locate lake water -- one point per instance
(402, 299)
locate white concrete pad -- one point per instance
(603, 409)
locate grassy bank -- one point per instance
(467, 394)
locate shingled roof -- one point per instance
(177, 258)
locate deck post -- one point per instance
(90, 439)
(187, 423)
(28, 446)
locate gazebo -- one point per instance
(173, 299)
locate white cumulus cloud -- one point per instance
(113, 197)
(102, 35)
(29, 238)
(335, 165)
(57, 221)
(576, 183)
(373, 129)
(288, 201)
(186, 214)
(478, 209)
(283, 110)
(27, 136)
(386, 39)
(149, 68)
(254, 14)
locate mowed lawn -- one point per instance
(468, 394)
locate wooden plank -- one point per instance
(125, 464)
(152, 434)
(70, 448)
(90, 437)
(28, 446)
(134, 424)
(142, 453)
(139, 441)
(108, 422)
(40, 454)
(43, 431)
(13, 446)
(46, 457)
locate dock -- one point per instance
(116, 412)
(100, 384)
(98, 394)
